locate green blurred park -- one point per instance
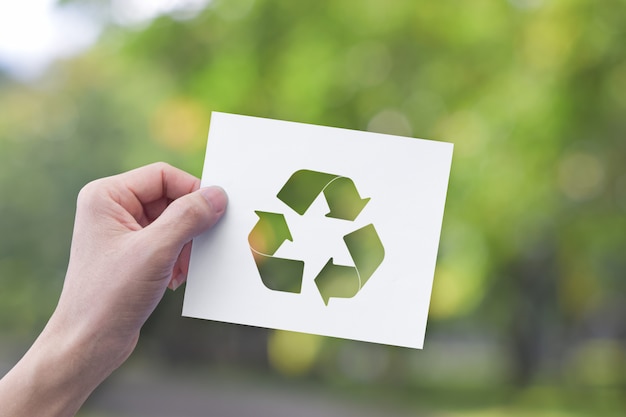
(528, 311)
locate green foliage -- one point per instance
(531, 92)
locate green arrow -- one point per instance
(280, 274)
(342, 281)
(269, 233)
(345, 203)
(266, 237)
(337, 281)
(303, 187)
(367, 251)
(343, 199)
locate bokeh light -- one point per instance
(527, 311)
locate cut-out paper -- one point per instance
(334, 280)
(328, 231)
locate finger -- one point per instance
(183, 259)
(177, 278)
(153, 210)
(156, 181)
(145, 192)
(187, 217)
(181, 268)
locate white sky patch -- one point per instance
(34, 33)
(139, 12)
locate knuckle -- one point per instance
(89, 192)
(160, 166)
(192, 212)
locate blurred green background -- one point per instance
(528, 312)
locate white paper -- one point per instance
(405, 180)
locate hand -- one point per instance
(131, 241)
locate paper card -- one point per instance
(328, 231)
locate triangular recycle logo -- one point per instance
(298, 193)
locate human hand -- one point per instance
(131, 241)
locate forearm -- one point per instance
(131, 239)
(57, 374)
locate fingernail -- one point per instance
(217, 198)
(176, 282)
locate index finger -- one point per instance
(157, 181)
(145, 192)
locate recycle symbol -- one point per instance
(345, 203)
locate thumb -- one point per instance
(188, 216)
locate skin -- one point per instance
(131, 241)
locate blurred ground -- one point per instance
(148, 387)
(140, 391)
(527, 314)
(144, 389)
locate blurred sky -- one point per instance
(33, 33)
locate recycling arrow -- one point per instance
(345, 203)
(266, 237)
(341, 281)
(304, 186)
(269, 233)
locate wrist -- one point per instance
(59, 371)
(88, 350)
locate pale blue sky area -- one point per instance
(33, 33)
